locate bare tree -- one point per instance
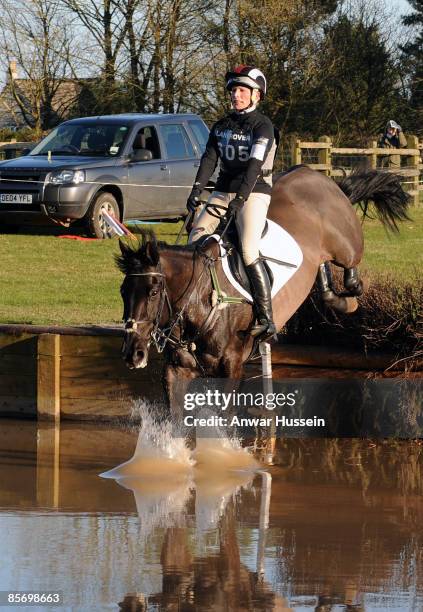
(164, 50)
(282, 38)
(37, 49)
(106, 25)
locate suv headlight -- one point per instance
(62, 177)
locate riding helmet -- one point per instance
(247, 76)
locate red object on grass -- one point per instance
(82, 238)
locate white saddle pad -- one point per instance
(277, 243)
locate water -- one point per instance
(332, 525)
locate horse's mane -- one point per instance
(144, 251)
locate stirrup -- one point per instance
(263, 331)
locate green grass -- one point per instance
(48, 280)
(399, 255)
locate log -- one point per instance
(319, 166)
(69, 330)
(331, 357)
(109, 388)
(10, 364)
(18, 384)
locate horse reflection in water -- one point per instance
(210, 582)
(168, 293)
(201, 581)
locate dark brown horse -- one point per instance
(168, 293)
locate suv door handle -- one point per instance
(163, 167)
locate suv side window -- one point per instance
(201, 133)
(176, 140)
(146, 138)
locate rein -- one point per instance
(161, 336)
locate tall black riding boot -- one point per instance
(261, 293)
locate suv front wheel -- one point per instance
(96, 224)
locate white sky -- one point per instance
(402, 6)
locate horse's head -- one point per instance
(143, 292)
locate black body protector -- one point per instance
(245, 145)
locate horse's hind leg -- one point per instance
(352, 282)
(339, 302)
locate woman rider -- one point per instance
(244, 143)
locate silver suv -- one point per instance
(133, 166)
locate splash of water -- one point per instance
(158, 452)
(164, 471)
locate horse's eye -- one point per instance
(153, 292)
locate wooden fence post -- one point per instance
(296, 153)
(413, 143)
(373, 156)
(48, 377)
(325, 156)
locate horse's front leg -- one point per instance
(233, 359)
(232, 367)
(178, 372)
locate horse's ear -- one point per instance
(152, 253)
(124, 249)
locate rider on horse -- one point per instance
(244, 142)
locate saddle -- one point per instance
(279, 251)
(235, 260)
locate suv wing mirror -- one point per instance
(140, 155)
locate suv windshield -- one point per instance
(99, 140)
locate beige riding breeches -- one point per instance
(250, 222)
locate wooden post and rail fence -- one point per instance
(387, 159)
(326, 153)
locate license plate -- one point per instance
(15, 198)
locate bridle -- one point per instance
(160, 337)
(131, 324)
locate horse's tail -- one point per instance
(383, 189)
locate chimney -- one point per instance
(12, 70)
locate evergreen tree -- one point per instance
(359, 86)
(413, 62)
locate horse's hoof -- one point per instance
(352, 304)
